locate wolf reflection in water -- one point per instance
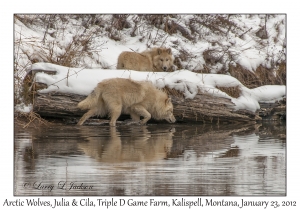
(143, 146)
(153, 160)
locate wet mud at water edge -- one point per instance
(163, 159)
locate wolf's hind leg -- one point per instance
(87, 115)
(115, 113)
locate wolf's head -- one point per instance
(167, 112)
(163, 60)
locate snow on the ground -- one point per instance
(23, 108)
(244, 47)
(83, 81)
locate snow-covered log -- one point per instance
(196, 97)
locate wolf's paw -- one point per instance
(131, 122)
(79, 122)
(173, 68)
(141, 122)
(172, 130)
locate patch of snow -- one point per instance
(23, 108)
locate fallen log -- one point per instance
(203, 108)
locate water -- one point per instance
(164, 159)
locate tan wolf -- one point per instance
(116, 96)
(155, 59)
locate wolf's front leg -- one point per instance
(139, 110)
(135, 117)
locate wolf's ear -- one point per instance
(158, 51)
(169, 51)
(168, 100)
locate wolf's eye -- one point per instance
(161, 59)
(167, 59)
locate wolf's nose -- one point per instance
(165, 68)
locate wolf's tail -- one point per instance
(90, 101)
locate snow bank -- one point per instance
(83, 81)
(241, 45)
